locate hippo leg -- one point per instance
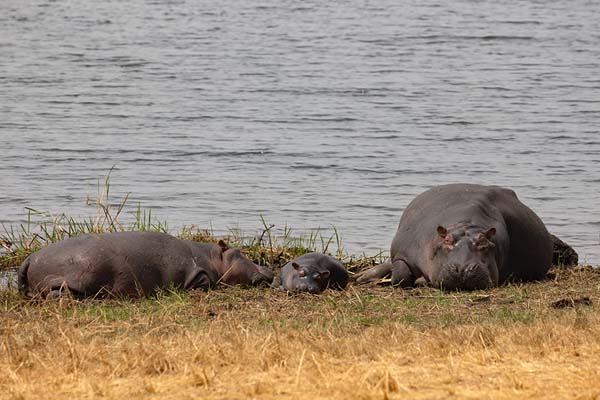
(198, 280)
(375, 273)
(402, 275)
(63, 290)
(421, 282)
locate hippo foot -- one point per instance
(402, 275)
(421, 282)
(198, 280)
(375, 274)
(64, 291)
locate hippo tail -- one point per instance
(23, 283)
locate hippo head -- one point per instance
(464, 258)
(310, 281)
(241, 270)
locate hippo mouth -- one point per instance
(262, 278)
(307, 288)
(453, 284)
(471, 277)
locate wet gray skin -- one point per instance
(465, 236)
(312, 273)
(464, 259)
(133, 264)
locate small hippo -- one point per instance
(132, 264)
(465, 236)
(313, 273)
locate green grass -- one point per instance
(266, 248)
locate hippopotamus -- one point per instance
(133, 264)
(313, 273)
(466, 236)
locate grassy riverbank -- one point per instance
(538, 340)
(263, 245)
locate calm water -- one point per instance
(310, 113)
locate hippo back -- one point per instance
(123, 263)
(530, 247)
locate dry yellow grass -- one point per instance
(257, 343)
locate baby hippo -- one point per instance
(312, 273)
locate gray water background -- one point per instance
(312, 114)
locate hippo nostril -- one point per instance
(472, 267)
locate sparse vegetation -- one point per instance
(262, 246)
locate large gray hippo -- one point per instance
(313, 273)
(132, 264)
(465, 236)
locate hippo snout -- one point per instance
(464, 271)
(263, 276)
(472, 276)
(314, 289)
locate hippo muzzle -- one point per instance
(465, 259)
(262, 276)
(472, 276)
(307, 285)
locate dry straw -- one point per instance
(366, 343)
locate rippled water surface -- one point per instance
(309, 113)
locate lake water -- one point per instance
(312, 114)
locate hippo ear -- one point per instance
(321, 276)
(223, 245)
(442, 231)
(297, 268)
(490, 233)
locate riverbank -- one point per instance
(535, 340)
(261, 245)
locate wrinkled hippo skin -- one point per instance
(312, 273)
(464, 236)
(562, 254)
(125, 264)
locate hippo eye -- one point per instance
(483, 245)
(486, 246)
